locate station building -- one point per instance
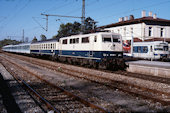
(146, 28)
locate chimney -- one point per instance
(120, 19)
(143, 13)
(150, 13)
(131, 17)
(154, 16)
(126, 18)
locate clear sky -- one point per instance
(16, 15)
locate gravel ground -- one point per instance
(136, 81)
(24, 101)
(103, 96)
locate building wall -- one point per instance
(156, 31)
(141, 31)
(126, 31)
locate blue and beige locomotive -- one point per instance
(99, 50)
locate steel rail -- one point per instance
(62, 89)
(51, 107)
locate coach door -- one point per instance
(151, 53)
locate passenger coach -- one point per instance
(23, 48)
(151, 50)
(48, 47)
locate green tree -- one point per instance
(56, 37)
(34, 39)
(8, 42)
(43, 37)
(90, 24)
(75, 28)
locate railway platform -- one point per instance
(155, 68)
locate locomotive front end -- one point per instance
(112, 51)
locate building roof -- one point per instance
(147, 20)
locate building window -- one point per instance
(150, 31)
(118, 31)
(124, 31)
(161, 33)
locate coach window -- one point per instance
(51, 46)
(139, 49)
(85, 40)
(55, 45)
(65, 41)
(145, 49)
(135, 49)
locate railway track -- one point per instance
(151, 94)
(123, 73)
(54, 97)
(144, 77)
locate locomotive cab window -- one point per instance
(116, 38)
(65, 41)
(106, 38)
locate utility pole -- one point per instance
(83, 17)
(57, 16)
(132, 42)
(23, 35)
(46, 22)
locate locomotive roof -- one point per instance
(83, 35)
